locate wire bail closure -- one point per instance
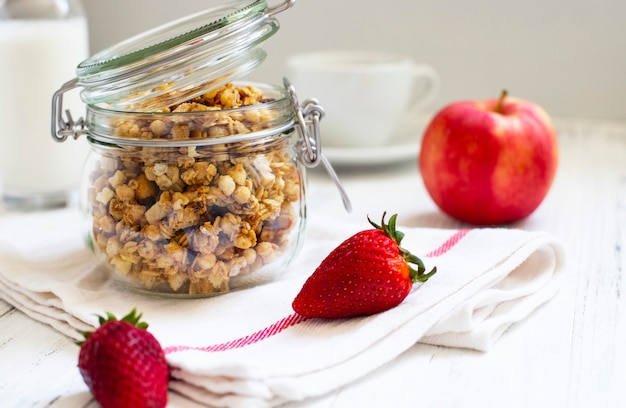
(308, 117)
(62, 129)
(280, 7)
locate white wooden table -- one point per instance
(570, 353)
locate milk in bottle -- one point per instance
(41, 43)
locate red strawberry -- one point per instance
(123, 364)
(366, 274)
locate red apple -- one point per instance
(489, 162)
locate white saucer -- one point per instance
(400, 149)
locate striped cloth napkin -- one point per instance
(248, 348)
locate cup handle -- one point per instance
(426, 84)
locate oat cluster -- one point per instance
(192, 220)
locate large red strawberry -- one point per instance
(123, 364)
(367, 273)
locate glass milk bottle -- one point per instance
(41, 42)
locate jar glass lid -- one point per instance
(180, 60)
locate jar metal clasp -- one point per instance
(280, 7)
(308, 117)
(62, 129)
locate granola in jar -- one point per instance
(172, 214)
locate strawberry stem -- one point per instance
(132, 317)
(417, 275)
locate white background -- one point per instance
(567, 55)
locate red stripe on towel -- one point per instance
(295, 318)
(449, 244)
(246, 340)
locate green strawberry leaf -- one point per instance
(132, 317)
(417, 275)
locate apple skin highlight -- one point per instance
(485, 167)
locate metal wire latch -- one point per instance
(62, 129)
(280, 7)
(308, 117)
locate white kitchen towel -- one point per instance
(248, 348)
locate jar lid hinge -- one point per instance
(62, 129)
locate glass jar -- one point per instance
(195, 203)
(195, 183)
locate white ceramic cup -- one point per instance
(364, 93)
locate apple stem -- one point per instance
(503, 95)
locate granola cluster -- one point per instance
(193, 220)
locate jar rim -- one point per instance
(101, 120)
